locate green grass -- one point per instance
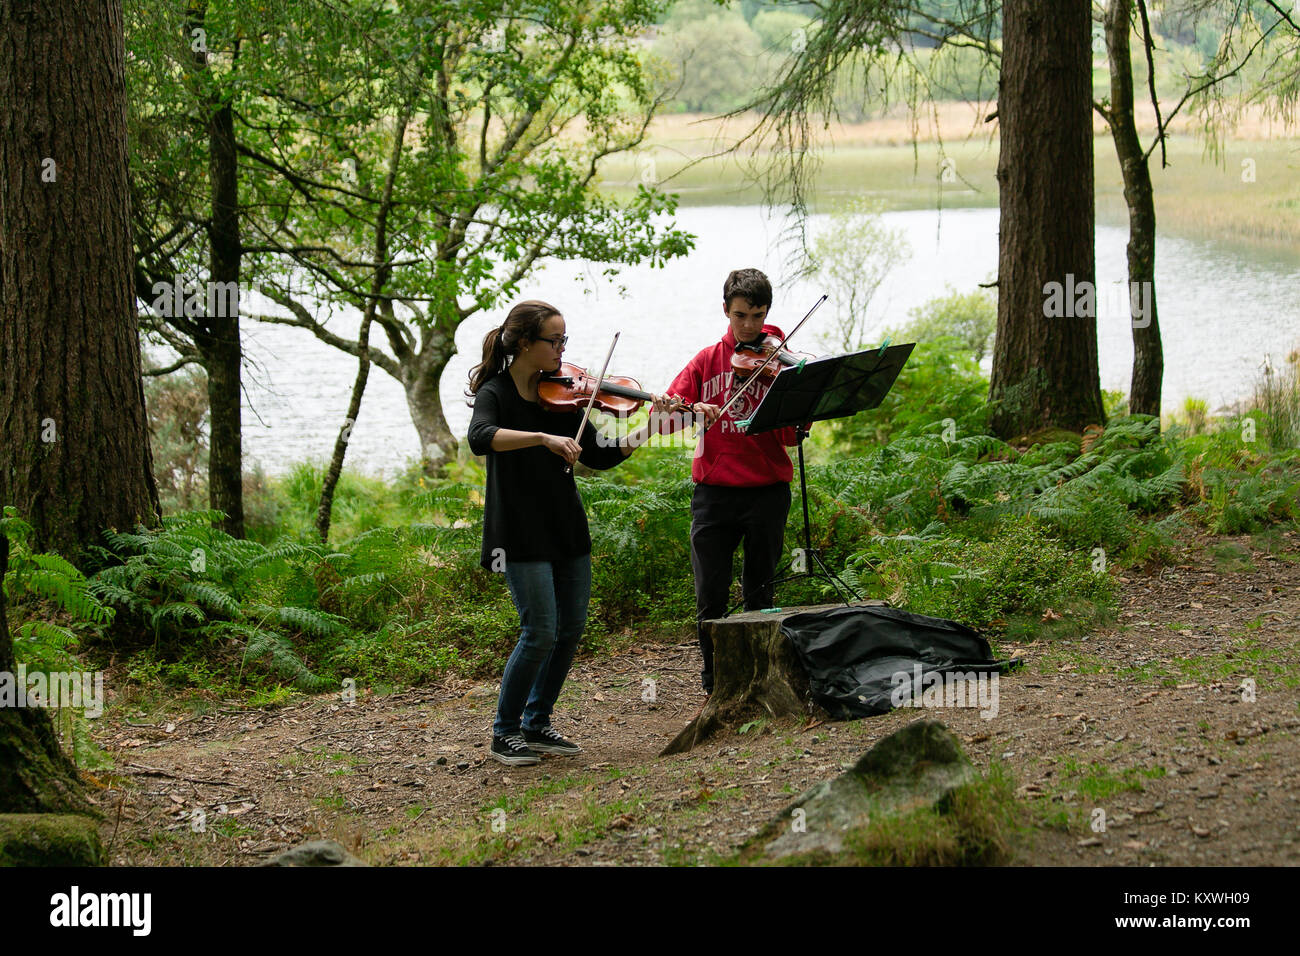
(522, 802)
(1271, 666)
(231, 828)
(888, 173)
(1097, 781)
(1079, 787)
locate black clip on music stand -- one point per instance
(813, 391)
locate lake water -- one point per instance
(1222, 308)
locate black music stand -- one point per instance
(814, 391)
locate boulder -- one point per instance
(316, 853)
(916, 767)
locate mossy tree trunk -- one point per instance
(35, 775)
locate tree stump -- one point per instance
(756, 673)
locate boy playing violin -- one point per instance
(742, 482)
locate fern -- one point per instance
(33, 582)
(191, 519)
(115, 594)
(53, 635)
(276, 650)
(179, 612)
(210, 596)
(190, 584)
(308, 621)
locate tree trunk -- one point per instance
(1045, 367)
(223, 353)
(74, 447)
(420, 381)
(218, 337)
(326, 506)
(1148, 354)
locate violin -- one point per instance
(569, 389)
(750, 355)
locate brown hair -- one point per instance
(747, 284)
(523, 324)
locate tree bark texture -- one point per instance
(1045, 369)
(74, 450)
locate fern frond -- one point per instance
(280, 654)
(317, 623)
(360, 582)
(47, 632)
(52, 562)
(70, 594)
(123, 543)
(115, 594)
(14, 527)
(178, 612)
(210, 596)
(189, 519)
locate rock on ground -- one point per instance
(316, 853)
(918, 766)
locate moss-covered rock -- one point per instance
(316, 853)
(49, 839)
(916, 768)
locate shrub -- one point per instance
(1008, 582)
(940, 381)
(969, 317)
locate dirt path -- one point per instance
(1147, 723)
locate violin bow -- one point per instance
(753, 376)
(586, 414)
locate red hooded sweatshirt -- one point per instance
(727, 455)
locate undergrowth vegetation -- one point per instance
(912, 503)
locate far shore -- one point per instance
(1246, 188)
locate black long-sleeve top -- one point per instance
(533, 511)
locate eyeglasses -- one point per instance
(557, 341)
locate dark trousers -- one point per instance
(721, 518)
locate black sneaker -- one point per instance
(513, 751)
(547, 741)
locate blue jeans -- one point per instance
(551, 597)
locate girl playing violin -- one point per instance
(534, 525)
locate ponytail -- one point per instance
(524, 323)
(494, 361)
